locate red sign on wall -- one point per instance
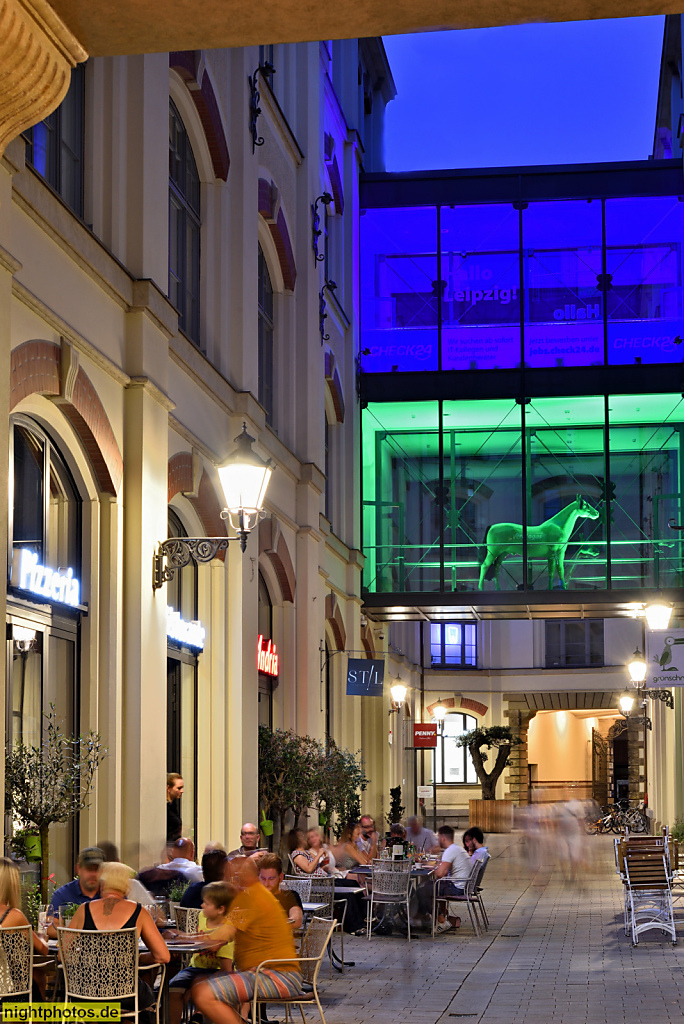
(267, 656)
(424, 734)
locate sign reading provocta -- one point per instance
(664, 658)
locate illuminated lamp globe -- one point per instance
(637, 667)
(398, 692)
(658, 615)
(244, 478)
(439, 712)
(626, 703)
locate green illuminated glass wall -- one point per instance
(554, 493)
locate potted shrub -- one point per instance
(490, 814)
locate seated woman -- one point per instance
(114, 911)
(304, 861)
(314, 843)
(10, 915)
(347, 854)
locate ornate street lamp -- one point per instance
(398, 692)
(627, 710)
(658, 615)
(439, 712)
(244, 477)
(637, 674)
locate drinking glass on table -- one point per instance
(42, 921)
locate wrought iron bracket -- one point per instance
(322, 306)
(665, 695)
(640, 720)
(316, 229)
(672, 523)
(254, 99)
(180, 551)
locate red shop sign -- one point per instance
(267, 656)
(424, 734)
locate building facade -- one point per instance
(178, 243)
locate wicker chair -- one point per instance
(391, 884)
(103, 966)
(16, 961)
(314, 944)
(187, 919)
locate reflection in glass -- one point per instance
(644, 263)
(399, 289)
(27, 691)
(563, 303)
(480, 287)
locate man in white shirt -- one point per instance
(454, 867)
(424, 839)
(180, 856)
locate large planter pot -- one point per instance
(33, 848)
(491, 815)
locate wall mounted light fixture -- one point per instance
(265, 70)
(316, 229)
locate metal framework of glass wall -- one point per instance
(549, 493)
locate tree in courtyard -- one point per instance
(478, 742)
(289, 767)
(50, 783)
(342, 778)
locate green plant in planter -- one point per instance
(176, 890)
(677, 830)
(396, 809)
(25, 843)
(67, 911)
(31, 902)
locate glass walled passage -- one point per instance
(572, 282)
(552, 493)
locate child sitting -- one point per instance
(216, 897)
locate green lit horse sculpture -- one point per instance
(547, 541)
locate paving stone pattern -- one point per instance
(556, 953)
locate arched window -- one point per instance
(453, 765)
(184, 228)
(265, 300)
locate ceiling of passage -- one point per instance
(154, 26)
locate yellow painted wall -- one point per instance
(560, 744)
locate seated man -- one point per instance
(180, 856)
(455, 866)
(260, 929)
(271, 875)
(216, 899)
(473, 840)
(84, 888)
(249, 835)
(213, 865)
(424, 839)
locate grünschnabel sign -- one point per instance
(664, 658)
(59, 586)
(190, 634)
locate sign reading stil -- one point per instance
(59, 586)
(190, 634)
(365, 678)
(424, 734)
(664, 658)
(267, 656)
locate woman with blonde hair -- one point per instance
(114, 911)
(10, 900)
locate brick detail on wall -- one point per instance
(35, 369)
(275, 218)
(180, 474)
(518, 775)
(190, 66)
(273, 545)
(468, 704)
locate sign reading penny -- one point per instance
(424, 734)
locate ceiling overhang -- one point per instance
(551, 604)
(111, 27)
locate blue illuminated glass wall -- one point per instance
(583, 282)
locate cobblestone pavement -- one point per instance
(555, 952)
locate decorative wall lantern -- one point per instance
(244, 478)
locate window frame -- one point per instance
(439, 751)
(265, 336)
(185, 280)
(562, 643)
(443, 664)
(54, 125)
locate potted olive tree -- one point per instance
(50, 783)
(490, 814)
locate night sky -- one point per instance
(573, 92)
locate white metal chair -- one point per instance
(469, 897)
(391, 881)
(314, 944)
(477, 891)
(103, 966)
(649, 898)
(16, 961)
(187, 919)
(302, 886)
